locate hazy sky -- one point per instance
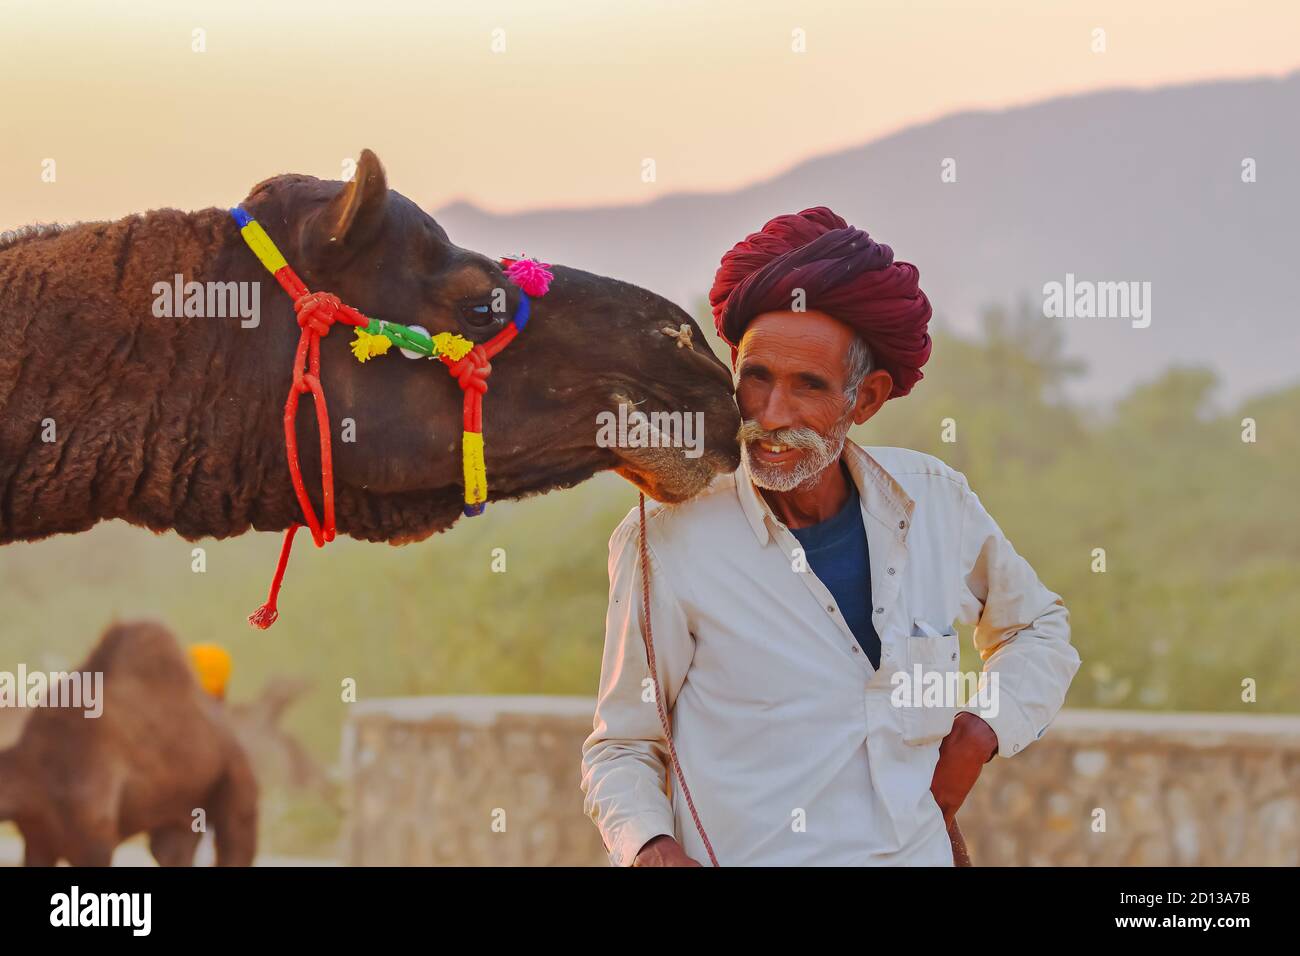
(583, 92)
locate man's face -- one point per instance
(791, 374)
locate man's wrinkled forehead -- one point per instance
(789, 340)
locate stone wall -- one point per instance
(1175, 790)
(495, 781)
(468, 781)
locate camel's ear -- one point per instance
(353, 217)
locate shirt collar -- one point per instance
(883, 498)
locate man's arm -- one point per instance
(1022, 632)
(625, 760)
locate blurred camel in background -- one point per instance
(278, 758)
(161, 750)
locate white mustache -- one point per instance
(802, 437)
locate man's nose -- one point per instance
(777, 412)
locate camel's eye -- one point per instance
(478, 315)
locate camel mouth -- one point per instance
(664, 452)
(667, 474)
(669, 486)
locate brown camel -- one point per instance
(277, 755)
(107, 411)
(162, 748)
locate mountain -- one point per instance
(1117, 186)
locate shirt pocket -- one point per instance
(933, 663)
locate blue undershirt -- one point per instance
(836, 550)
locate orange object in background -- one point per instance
(212, 667)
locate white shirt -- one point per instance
(788, 738)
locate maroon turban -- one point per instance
(843, 273)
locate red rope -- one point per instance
(265, 615)
(317, 312)
(471, 374)
(648, 637)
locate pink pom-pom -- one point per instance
(530, 275)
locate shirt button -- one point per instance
(902, 524)
(880, 610)
(891, 570)
(855, 650)
(830, 608)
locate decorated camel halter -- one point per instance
(317, 312)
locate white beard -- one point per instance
(807, 469)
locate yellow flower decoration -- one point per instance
(455, 347)
(366, 346)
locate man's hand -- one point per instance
(663, 850)
(969, 745)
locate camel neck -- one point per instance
(133, 383)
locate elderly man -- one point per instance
(797, 604)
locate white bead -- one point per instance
(423, 331)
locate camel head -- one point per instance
(591, 344)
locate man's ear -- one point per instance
(872, 393)
(350, 220)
